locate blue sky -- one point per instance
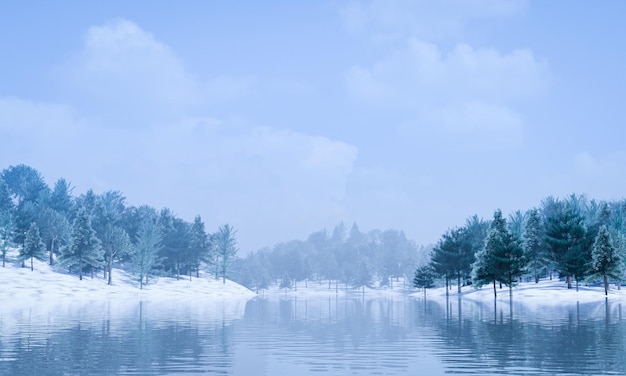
(283, 117)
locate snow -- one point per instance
(546, 293)
(21, 287)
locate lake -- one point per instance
(350, 335)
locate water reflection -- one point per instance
(347, 335)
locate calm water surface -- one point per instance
(322, 336)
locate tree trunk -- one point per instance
(606, 285)
(51, 251)
(569, 281)
(110, 281)
(447, 292)
(80, 269)
(495, 294)
(141, 282)
(458, 281)
(31, 264)
(536, 275)
(510, 285)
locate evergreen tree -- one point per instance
(424, 278)
(199, 246)
(33, 246)
(503, 259)
(24, 183)
(225, 243)
(85, 247)
(533, 248)
(61, 197)
(606, 260)
(565, 238)
(453, 256)
(147, 247)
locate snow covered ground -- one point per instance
(545, 293)
(23, 287)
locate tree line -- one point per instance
(338, 257)
(580, 239)
(91, 232)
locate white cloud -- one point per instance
(126, 77)
(429, 20)
(463, 90)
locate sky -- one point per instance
(285, 117)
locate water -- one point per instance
(322, 336)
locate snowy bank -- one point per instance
(545, 293)
(22, 287)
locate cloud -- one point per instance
(465, 89)
(433, 21)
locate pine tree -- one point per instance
(33, 246)
(85, 247)
(199, 246)
(565, 237)
(606, 260)
(225, 243)
(503, 258)
(424, 278)
(453, 256)
(532, 243)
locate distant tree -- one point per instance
(199, 246)
(24, 182)
(225, 243)
(107, 214)
(533, 248)
(175, 243)
(424, 278)
(85, 247)
(33, 246)
(147, 247)
(55, 230)
(61, 197)
(606, 260)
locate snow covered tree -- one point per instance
(565, 238)
(225, 244)
(424, 278)
(55, 230)
(119, 246)
(85, 247)
(107, 214)
(33, 246)
(453, 256)
(147, 247)
(61, 197)
(606, 261)
(503, 257)
(533, 247)
(24, 183)
(199, 246)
